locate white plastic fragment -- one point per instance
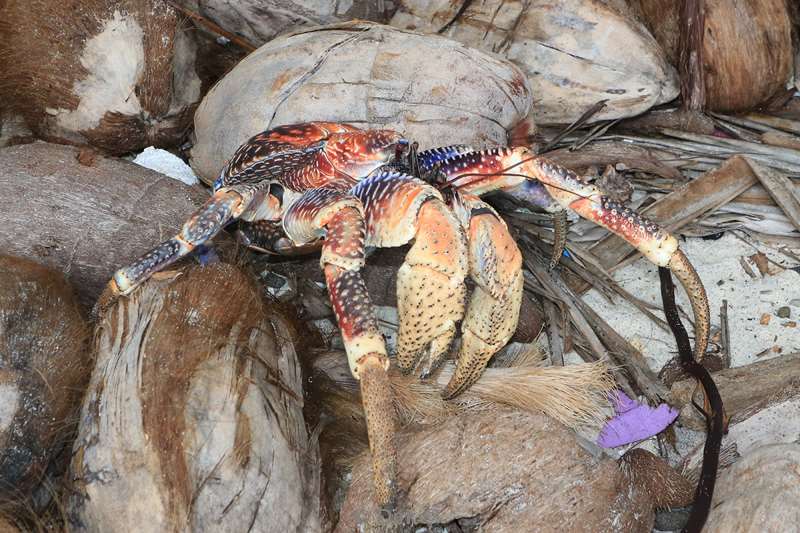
(166, 163)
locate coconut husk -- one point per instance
(260, 21)
(193, 418)
(497, 470)
(760, 492)
(13, 129)
(86, 219)
(368, 75)
(569, 50)
(747, 48)
(118, 75)
(576, 395)
(44, 368)
(8, 526)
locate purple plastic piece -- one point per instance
(634, 421)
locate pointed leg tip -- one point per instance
(454, 389)
(376, 396)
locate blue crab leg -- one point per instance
(506, 168)
(451, 163)
(338, 217)
(226, 204)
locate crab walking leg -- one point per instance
(478, 172)
(534, 193)
(509, 168)
(225, 205)
(267, 236)
(657, 245)
(338, 216)
(495, 265)
(431, 290)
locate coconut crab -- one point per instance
(344, 189)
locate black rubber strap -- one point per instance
(714, 420)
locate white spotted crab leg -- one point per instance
(339, 217)
(495, 265)
(225, 205)
(510, 169)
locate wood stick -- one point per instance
(781, 189)
(213, 28)
(675, 210)
(690, 55)
(741, 388)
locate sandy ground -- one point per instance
(749, 299)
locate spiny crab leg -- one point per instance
(225, 205)
(339, 217)
(455, 165)
(267, 236)
(656, 244)
(510, 169)
(495, 266)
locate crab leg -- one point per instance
(267, 236)
(495, 265)
(467, 170)
(227, 204)
(338, 217)
(431, 291)
(658, 246)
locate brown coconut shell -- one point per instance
(84, 214)
(116, 74)
(44, 368)
(500, 471)
(193, 419)
(260, 21)
(575, 53)
(575, 394)
(760, 492)
(368, 75)
(747, 48)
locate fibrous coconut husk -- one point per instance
(193, 419)
(747, 47)
(760, 492)
(13, 129)
(575, 394)
(116, 74)
(8, 526)
(260, 21)
(575, 53)
(504, 470)
(44, 368)
(367, 75)
(85, 214)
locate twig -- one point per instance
(461, 10)
(555, 331)
(213, 28)
(580, 121)
(726, 333)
